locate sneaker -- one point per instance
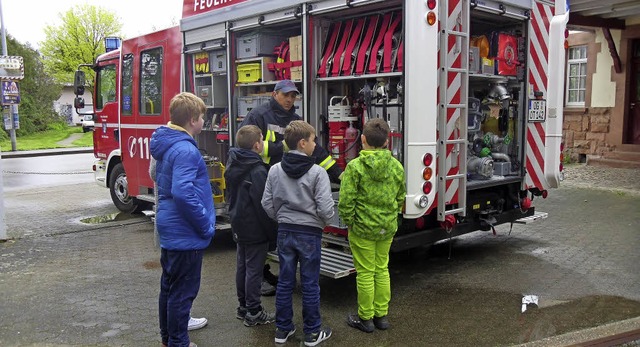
(196, 323)
(191, 344)
(381, 323)
(267, 289)
(317, 337)
(241, 312)
(282, 335)
(262, 317)
(355, 321)
(268, 276)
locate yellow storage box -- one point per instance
(249, 72)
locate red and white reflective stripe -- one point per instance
(541, 15)
(453, 97)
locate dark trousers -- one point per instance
(179, 286)
(293, 248)
(249, 269)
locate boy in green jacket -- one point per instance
(372, 193)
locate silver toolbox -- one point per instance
(257, 44)
(248, 103)
(501, 168)
(218, 61)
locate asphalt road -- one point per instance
(69, 283)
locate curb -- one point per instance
(45, 152)
(588, 337)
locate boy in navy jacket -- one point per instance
(246, 175)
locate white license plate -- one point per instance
(537, 110)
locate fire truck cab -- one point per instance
(471, 90)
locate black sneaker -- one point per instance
(355, 321)
(268, 276)
(317, 337)
(381, 323)
(260, 318)
(282, 335)
(241, 311)
(267, 289)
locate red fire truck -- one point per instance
(472, 92)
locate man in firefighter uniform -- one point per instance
(272, 118)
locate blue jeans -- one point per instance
(179, 286)
(294, 247)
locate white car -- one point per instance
(87, 119)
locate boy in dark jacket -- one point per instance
(246, 174)
(298, 196)
(272, 118)
(185, 215)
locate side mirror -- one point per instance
(78, 82)
(78, 102)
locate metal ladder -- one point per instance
(461, 33)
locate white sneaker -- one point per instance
(196, 323)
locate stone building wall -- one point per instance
(585, 132)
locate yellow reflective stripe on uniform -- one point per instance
(265, 152)
(271, 136)
(327, 163)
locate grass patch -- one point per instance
(49, 139)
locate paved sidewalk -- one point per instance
(43, 152)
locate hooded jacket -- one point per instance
(298, 192)
(272, 119)
(185, 215)
(372, 193)
(246, 175)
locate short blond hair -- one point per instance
(247, 136)
(296, 131)
(184, 107)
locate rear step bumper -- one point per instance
(334, 262)
(533, 218)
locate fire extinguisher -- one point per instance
(351, 143)
(337, 132)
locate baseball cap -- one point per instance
(286, 86)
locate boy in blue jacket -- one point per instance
(298, 195)
(253, 230)
(185, 215)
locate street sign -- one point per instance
(10, 93)
(6, 116)
(11, 67)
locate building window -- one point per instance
(576, 75)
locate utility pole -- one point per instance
(3, 225)
(12, 132)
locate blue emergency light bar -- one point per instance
(111, 43)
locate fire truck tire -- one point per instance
(119, 190)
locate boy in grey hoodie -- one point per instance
(298, 195)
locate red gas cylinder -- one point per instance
(337, 132)
(351, 143)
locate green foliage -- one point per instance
(49, 139)
(38, 91)
(85, 141)
(78, 40)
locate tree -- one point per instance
(38, 91)
(78, 40)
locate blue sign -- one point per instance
(10, 93)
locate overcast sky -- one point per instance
(25, 20)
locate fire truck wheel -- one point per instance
(120, 190)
